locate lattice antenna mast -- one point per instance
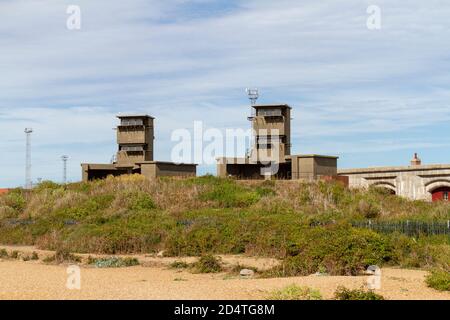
(253, 95)
(28, 183)
(64, 158)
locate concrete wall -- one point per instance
(164, 169)
(312, 166)
(412, 182)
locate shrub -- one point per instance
(179, 265)
(62, 256)
(3, 253)
(337, 250)
(12, 204)
(113, 262)
(14, 255)
(295, 292)
(343, 293)
(34, 256)
(228, 194)
(47, 184)
(207, 264)
(140, 201)
(368, 209)
(439, 280)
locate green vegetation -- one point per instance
(439, 279)
(62, 256)
(295, 292)
(308, 225)
(113, 262)
(343, 293)
(3, 253)
(207, 264)
(337, 250)
(179, 265)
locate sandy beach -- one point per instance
(154, 280)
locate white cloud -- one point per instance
(343, 80)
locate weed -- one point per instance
(295, 292)
(439, 279)
(343, 293)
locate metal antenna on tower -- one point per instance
(28, 183)
(253, 95)
(64, 159)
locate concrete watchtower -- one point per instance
(272, 127)
(135, 135)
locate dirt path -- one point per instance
(35, 280)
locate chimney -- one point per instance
(416, 161)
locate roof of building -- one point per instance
(2, 191)
(274, 105)
(120, 116)
(310, 156)
(423, 167)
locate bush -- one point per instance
(113, 262)
(368, 209)
(294, 292)
(343, 293)
(140, 201)
(207, 264)
(12, 204)
(439, 280)
(3, 253)
(62, 256)
(14, 255)
(226, 193)
(337, 250)
(34, 256)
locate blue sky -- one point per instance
(372, 97)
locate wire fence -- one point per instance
(410, 228)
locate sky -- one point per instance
(371, 97)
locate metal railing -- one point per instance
(410, 228)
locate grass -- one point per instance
(295, 292)
(343, 293)
(211, 216)
(113, 262)
(439, 279)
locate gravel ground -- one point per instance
(35, 280)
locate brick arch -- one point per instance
(385, 184)
(435, 184)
